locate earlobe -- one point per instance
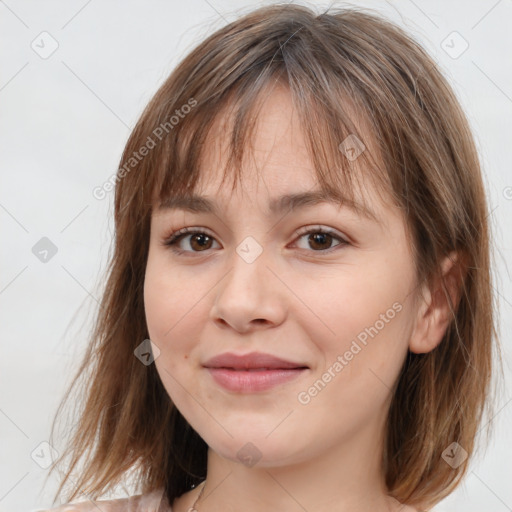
(436, 310)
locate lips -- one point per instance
(255, 361)
(251, 373)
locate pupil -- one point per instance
(320, 238)
(201, 239)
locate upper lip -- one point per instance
(250, 361)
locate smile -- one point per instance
(253, 379)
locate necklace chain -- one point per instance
(193, 508)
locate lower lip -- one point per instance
(252, 381)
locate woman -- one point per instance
(318, 335)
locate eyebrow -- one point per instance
(289, 202)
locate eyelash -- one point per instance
(175, 237)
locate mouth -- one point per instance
(253, 380)
(253, 372)
(251, 361)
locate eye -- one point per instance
(320, 239)
(199, 240)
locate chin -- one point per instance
(255, 448)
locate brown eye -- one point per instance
(198, 241)
(321, 240)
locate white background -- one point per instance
(63, 125)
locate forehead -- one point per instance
(276, 163)
(276, 149)
(276, 169)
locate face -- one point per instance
(320, 286)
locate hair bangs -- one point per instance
(342, 148)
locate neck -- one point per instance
(348, 478)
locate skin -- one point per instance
(296, 302)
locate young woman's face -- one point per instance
(249, 279)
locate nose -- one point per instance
(250, 296)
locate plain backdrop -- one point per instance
(74, 79)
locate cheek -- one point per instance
(360, 362)
(361, 316)
(171, 320)
(347, 301)
(171, 308)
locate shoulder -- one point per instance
(149, 502)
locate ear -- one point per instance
(434, 311)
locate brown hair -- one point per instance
(427, 161)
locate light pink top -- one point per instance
(154, 501)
